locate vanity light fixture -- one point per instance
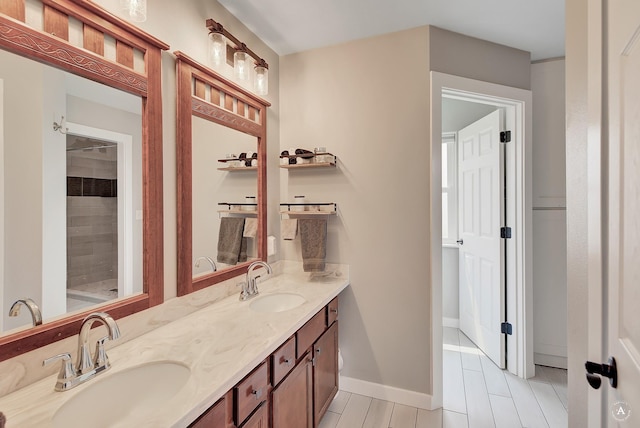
(135, 10)
(217, 46)
(261, 79)
(246, 64)
(242, 64)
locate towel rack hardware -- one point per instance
(231, 210)
(288, 210)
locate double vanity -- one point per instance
(231, 363)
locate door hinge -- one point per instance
(505, 137)
(506, 328)
(505, 232)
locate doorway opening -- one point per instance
(516, 105)
(100, 216)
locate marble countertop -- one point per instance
(220, 343)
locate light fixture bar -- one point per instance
(216, 27)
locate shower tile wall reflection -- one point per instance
(92, 226)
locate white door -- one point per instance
(624, 209)
(481, 250)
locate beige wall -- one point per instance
(23, 83)
(375, 120)
(460, 55)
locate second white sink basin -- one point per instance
(278, 302)
(110, 400)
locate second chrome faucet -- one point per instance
(86, 367)
(250, 285)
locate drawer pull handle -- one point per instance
(318, 350)
(287, 361)
(334, 310)
(257, 393)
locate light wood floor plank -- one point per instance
(504, 412)
(450, 336)
(379, 414)
(494, 378)
(453, 397)
(553, 409)
(526, 403)
(429, 418)
(355, 412)
(403, 416)
(478, 404)
(339, 402)
(469, 353)
(454, 420)
(329, 420)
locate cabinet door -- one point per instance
(260, 419)
(215, 417)
(325, 371)
(292, 400)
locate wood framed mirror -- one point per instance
(79, 40)
(216, 118)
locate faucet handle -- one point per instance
(101, 358)
(67, 371)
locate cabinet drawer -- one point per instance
(309, 332)
(283, 360)
(332, 311)
(250, 392)
(215, 417)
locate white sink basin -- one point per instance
(278, 302)
(112, 399)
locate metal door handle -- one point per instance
(460, 241)
(595, 370)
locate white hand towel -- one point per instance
(289, 228)
(250, 227)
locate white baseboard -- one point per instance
(451, 322)
(550, 360)
(387, 393)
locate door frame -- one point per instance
(518, 153)
(125, 199)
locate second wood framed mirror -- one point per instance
(222, 186)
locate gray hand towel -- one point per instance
(230, 240)
(313, 236)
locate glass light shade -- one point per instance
(217, 50)
(261, 80)
(242, 66)
(136, 10)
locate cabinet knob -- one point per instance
(257, 393)
(287, 361)
(318, 350)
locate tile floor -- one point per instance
(476, 394)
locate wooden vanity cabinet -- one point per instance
(220, 415)
(292, 399)
(325, 371)
(250, 393)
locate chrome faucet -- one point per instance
(86, 368)
(36, 315)
(211, 262)
(250, 285)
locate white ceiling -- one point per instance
(289, 26)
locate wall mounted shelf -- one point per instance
(238, 168)
(310, 208)
(314, 163)
(237, 208)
